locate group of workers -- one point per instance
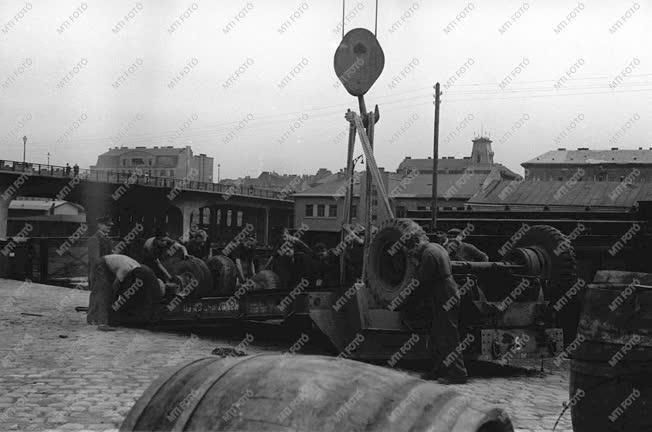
(109, 273)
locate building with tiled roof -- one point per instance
(481, 161)
(322, 207)
(584, 164)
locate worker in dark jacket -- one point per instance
(462, 251)
(436, 280)
(99, 244)
(119, 281)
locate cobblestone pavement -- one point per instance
(58, 373)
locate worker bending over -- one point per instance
(120, 281)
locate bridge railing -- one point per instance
(111, 176)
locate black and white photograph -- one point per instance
(325, 215)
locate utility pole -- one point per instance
(24, 149)
(435, 157)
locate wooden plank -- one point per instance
(371, 163)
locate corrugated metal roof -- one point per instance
(563, 193)
(596, 157)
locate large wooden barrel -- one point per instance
(304, 393)
(611, 358)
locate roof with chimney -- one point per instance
(451, 165)
(584, 156)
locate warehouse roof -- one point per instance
(562, 194)
(586, 156)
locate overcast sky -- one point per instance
(149, 107)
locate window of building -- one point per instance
(374, 202)
(354, 211)
(560, 179)
(401, 212)
(239, 219)
(124, 162)
(162, 173)
(309, 210)
(206, 214)
(332, 211)
(137, 161)
(149, 162)
(228, 218)
(218, 217)
(171, 173)
(321, 210)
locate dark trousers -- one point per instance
(102, 294)
(444, 335)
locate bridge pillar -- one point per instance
(187, 210)
(4, 216)
(266, 231)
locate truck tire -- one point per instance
(196, 269)
(389, 271)
(266, 280)
(560, 269)
(559, 262)
(223, 274)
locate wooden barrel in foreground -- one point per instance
(611, 365)
(304, 393)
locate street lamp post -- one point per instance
(24, 149)
(435, 157)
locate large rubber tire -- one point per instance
(561, 262)
(223, 273)
(389, 274)
(266, 280)
(196, 269)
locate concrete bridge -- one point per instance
(172, 204)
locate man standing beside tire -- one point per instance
(435, 277)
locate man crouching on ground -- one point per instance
(120, 281)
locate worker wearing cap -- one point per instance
(462, 251)
(436, 281)
(115, 275)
